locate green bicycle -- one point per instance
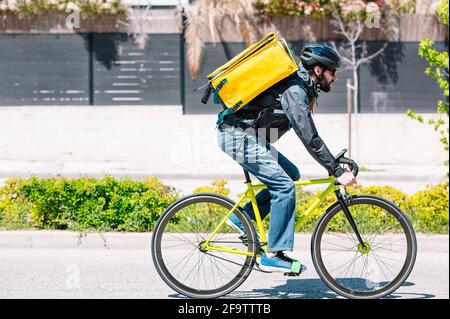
(362, 246)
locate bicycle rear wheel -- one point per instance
(375, 270)
(178, 251)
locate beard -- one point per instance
(325, 86)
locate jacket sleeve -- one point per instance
(295, 105)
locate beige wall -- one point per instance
(161, 140)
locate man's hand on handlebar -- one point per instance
(347, 179)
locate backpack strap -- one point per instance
(223, 114)
(217, 89)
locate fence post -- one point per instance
(91, 67)
(349, 113)
(182, 63)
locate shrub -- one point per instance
(84, 203)
(217, 186)
(85, 7)
(127, 205)
(429, 209)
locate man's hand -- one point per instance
(347, 179)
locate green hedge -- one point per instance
(111, 204)
(428, 210)
(84, 203)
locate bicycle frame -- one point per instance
(251, 188)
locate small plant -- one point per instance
(85, 7)
(438, 69)
(84, 203)
(111, 204)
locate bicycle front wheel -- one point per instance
(179, 253)
(371, 271)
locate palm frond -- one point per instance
(195, 37)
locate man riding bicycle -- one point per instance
(246, 136)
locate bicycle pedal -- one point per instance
(297, 269)
(292, 274)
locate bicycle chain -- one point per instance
(236, 242)
(260, 244)
(254, 267)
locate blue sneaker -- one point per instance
(236, 224)
(281, 263)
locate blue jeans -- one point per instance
(274, 170)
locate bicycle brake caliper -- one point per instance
(345, 196)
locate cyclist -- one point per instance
(246, 136)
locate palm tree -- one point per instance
(205, 20)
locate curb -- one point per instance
(368, 176)
(75, 240)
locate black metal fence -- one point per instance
(89, 69)
(391, 83)
(109, 69)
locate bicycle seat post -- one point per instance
(247, 177)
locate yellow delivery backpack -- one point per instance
(248, 74)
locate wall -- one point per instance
(160, 140)
(89, 69)
(392, 83)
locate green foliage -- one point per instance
(443, 11)
(110, 204)
(273, 8)
(216, 187)
(84, 203)
(438, 69)
(427, 210)
(85, 7)
(317, 9)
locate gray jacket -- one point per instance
(296, 105)
(286, 105)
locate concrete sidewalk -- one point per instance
(73, 240)
(233, 171)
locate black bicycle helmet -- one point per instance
(320, 54)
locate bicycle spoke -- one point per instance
(183, 240)
(356, 253)
(338, 251)
(363, 271)
(219, 270)
(195, 271)
(346, 248)
(353, 260)
(379, 266)
(384, 263)
(185, 256)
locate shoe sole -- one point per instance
(283, 270)
(274, 269)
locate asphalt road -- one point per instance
(129, 273)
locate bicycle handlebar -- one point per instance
(344, 160)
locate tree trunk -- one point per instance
(356, 111)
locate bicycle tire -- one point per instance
(410, 252)
(158, 254)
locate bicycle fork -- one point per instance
(348, 215)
